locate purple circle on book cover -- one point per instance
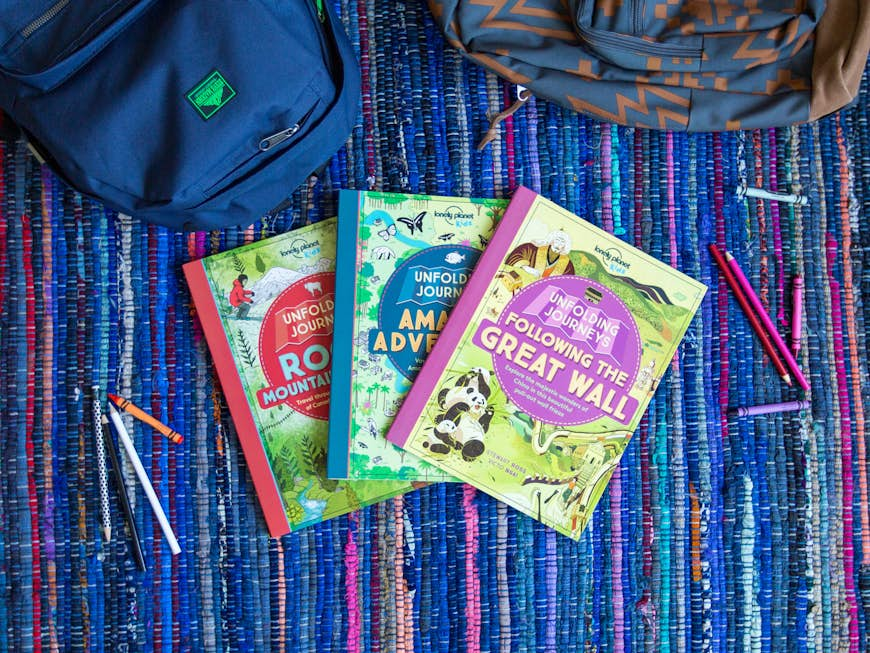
(566, 351)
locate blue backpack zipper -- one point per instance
(43, 19)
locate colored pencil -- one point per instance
(102, 475)
(728, 275)
(144, 480)
(797, 313)
(122, 494)
(128, 406)
(767, 323)
(767, 409)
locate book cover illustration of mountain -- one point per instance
(272, 303)
(403, 262)
(562, 336)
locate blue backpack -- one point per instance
(194, 114)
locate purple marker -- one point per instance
(767, 409)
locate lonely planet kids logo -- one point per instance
(296, 347)
(416, 302)
(301, 248)
(566, 351)
(455, 216)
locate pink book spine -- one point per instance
(472, 296)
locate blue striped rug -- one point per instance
(715, 534)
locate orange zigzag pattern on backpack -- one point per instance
(784, 78)
(763, 56)
(640, 106)
(519, 8)
(500, 69)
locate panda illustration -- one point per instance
(465, 416)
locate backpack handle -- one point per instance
(56, 73)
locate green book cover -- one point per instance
(545, 369)
(267, 311)
(403, 261)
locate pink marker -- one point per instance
(767, 409)
(797, 312)
(778, 342)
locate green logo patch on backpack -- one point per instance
(211, 95)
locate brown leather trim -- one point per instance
(842, 46)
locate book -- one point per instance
(403, 260)
(548, 363)
(267, 311)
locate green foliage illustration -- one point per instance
(295, 444)
(246, 352)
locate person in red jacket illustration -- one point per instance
(241, 298)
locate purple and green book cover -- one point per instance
(403, 261)
(267, 311)
(543, 373)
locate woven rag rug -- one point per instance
(714, 535)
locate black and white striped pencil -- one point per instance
(102, 476)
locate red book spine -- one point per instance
(249, 436)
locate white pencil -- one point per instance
(144, 480)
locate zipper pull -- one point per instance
(275, 139)
(523, 95)
(321, 14)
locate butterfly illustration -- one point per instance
(483, 241)
(388, 232)
(413, 223)
(446, 237)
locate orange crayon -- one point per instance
(138, 413)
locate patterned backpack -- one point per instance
(689, 65)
